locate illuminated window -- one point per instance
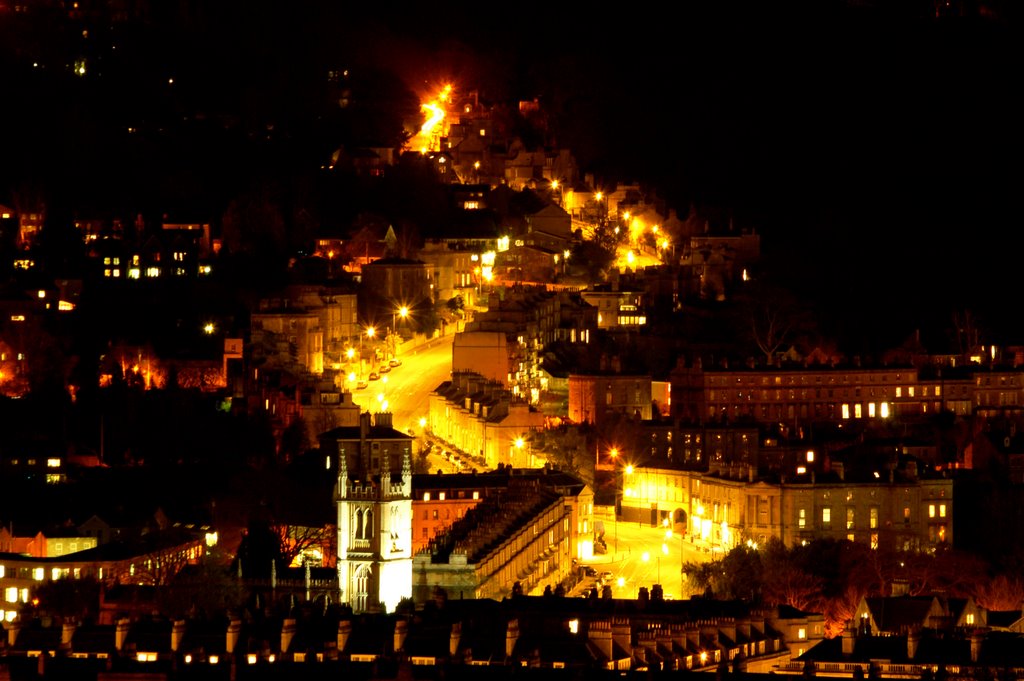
(970, 618)
(17, 317)
(801, 633)
(441, 496)
(857, 411)
(906, 515)
(810, 457)
(826, 516)
(942, 510)
(850, 516)
(871, 410)
(1, 571)
(426, 496)
(850, 537)
(874, 540)
(53, 463)
(39, 574)
(910, 391)
(873, 517)
(931, 510)
(884, 410)
(11, 594)
(938, 393)
(846, 411)
(42, 294)
(476, 495)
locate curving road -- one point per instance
(405, 388)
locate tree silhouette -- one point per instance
(770, 317)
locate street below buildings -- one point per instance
(640, 555)
(404, 390)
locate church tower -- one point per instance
(374, 498)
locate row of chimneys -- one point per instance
(602, 633)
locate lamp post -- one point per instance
(370, 333)
(614, 454)
(402, 312)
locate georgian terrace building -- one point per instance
(891, 507)
(822, 393)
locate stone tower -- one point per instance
(374, 499)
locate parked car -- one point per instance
(395, 362)
(374, 376)
(361, 384)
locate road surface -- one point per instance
(640, 555)
(404, 389)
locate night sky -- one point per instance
(873, 144)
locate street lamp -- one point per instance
(370, 332)
(402, 312)
(614, 454)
